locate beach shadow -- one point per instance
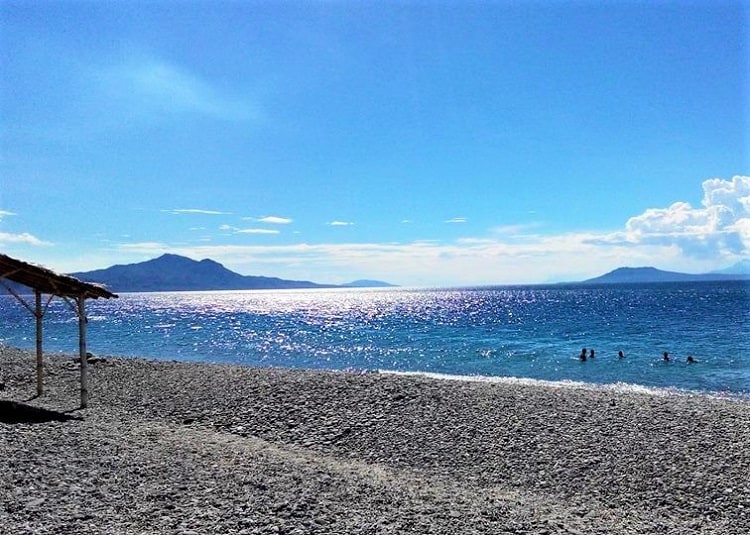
(14, 412)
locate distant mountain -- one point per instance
(170, 272)
(651, 274)
(740, 268)
(366, 283)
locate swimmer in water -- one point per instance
(591, 354)
(691, 360)
(583, 355)
(665, 358)
(620, 355)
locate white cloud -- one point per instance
(236, 230)
(5, 213)
(732, 194)
(181, 211)
(256, 231)
(23, 238)
(720, 228)
(537, 258)
(273, 220)
(340, 224)
(457, 220)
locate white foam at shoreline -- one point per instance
(619, 388)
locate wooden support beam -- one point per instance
(15, 294)
(39, 314)
(82, 350)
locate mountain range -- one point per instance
(170, 273)
(739, 271)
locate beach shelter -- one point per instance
(43, 282)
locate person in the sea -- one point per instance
(620, 354)
(691, 360)
(665, 357)
(583, 354)
(592, 354)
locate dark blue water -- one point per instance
(529, 332)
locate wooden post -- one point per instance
(39, 357)
(82, 350)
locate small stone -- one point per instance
(35, 502)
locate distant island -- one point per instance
(651, 274)
(171, 273)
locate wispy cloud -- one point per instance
(5, 213)
(155, 84)
(23, 238)
(146, 247)
(256, 231)
(236, 230)
(515, 230)
(273, 220)
(340, 224)
(181, 211)
(457, 220)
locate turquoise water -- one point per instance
(529, 332)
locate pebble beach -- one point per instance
(195, 448)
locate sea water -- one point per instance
(534, 332)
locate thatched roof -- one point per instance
(47, 281)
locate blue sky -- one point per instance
(423, 143)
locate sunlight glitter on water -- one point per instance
(534, 332)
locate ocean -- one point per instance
(523, 332)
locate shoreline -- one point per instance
(179, 447)
(619, 386)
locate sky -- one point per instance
(424, 143)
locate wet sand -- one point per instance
(168, 447)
